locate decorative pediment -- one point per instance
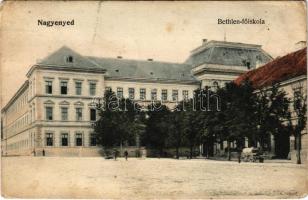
(91, 104)
(49, 102)
(64, 103)
(79, 103)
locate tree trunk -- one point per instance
(177, 152)
(228, 147)
(298, 148)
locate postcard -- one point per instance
(153, 99)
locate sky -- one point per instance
(165, 31)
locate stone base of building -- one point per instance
(78, 152)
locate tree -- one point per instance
(118, 121)
(177, 128)
(300, 110)
(157, 127)
(238, 113)
(271, 113)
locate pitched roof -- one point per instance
(58, 59)
(126, 68)
(119, 68)
(228, 53)
(280, 69)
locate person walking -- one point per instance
(115, 154)
(126, 154)
(43, 152)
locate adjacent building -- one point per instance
(290, 73)
(54, 109)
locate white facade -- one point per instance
(52, 110)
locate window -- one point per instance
(64, 139)
(49, 139)
(69, 59)
(92, 114)
(131, 93)
(78, 86)
(63, 87)
(48, 113)
(93, 139)
(164, 95)
(64, 114)
(120, 93)
(48, 87)
(154, 94)
(78, 139)
(78, 114)
(142, 94)
(107, 88)
(215, 86)
(92, 89)
(185, 95)
(175, 95)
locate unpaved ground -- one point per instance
(52, 177)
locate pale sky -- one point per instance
(164, 31)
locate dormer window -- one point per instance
(69, 59)
(248, 65)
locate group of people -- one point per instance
(34, 152)
(115, 154)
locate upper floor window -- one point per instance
(64, 139)
(49, 139)
(131, 93)
(175, 95)
(78, 87)
(185, 95)
(48, 87)
(49, 113)
(120, 92)
(78, 114)
(108, 89)
(215, 85)
(78, 139)
(63, 87)
(154, 94)
(69, 59)
(164, 95)
(64, 113)
(93, 114)
(142, 93)
(92, 89)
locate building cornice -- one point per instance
(154, 80)
(22, 88)
(64, 68)
(214, 68)
(285, 82)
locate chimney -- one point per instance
(119, 57)
(300, 45)
(150, 59)
(204, 41)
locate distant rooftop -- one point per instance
(280, 69)
(228, 53)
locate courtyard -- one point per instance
(95, 177)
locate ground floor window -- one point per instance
(49, 139)
(93, 140)
(78, 139)
(64, 139)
